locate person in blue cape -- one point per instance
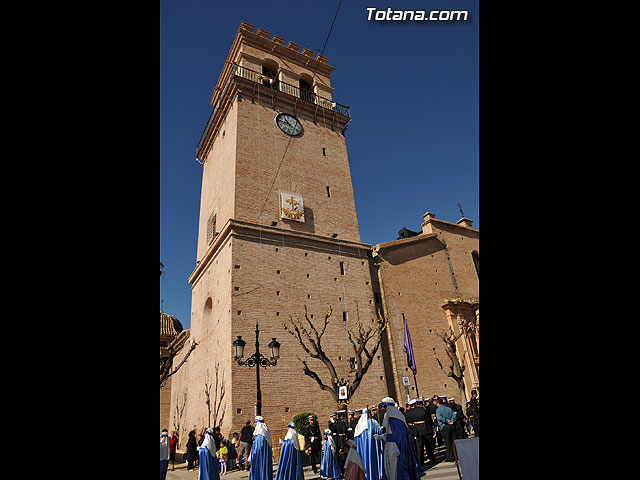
(329, 465)
(368, 447)
(209, 468)
(377, 430)
(399, 456)
(290, 463)
(261, 452)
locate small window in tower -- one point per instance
(341, 268)
(344, 316)
(324, 152)
(328, 191)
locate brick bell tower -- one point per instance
(278, 232)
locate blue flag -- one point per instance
(408, 347)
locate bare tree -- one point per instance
(214, 404)
(178, 415)
(454, 369)
(364, 339)
(166, 363)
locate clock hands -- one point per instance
(289, 124)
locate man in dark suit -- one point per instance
(313, 442)
(460, 418)
(474, 419)
(420, 429)
(340, 438)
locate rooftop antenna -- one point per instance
(461, 212)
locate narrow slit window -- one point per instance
(328, 191)
(341, 268)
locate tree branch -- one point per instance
(165, 366)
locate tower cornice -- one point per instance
(274, 235)
(276, 45)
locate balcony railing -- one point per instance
(292, 90)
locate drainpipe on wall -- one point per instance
(394, 367)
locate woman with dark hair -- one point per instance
(192, 450)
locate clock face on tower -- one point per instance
(289, 124)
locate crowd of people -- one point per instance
(380, 442)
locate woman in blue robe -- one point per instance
(377, 430)
(399, 456)
(329, 464)
(368, 447)
(290, 463)
(209, 465)
(261, 452)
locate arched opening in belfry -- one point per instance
(270, 69)
(306, 88)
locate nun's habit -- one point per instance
(209, 468)
(261, 452)
(329, 465)
(290, 463)
(368, 447)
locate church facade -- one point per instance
(279, 242)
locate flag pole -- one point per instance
(409, 350)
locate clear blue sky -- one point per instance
(412, 87)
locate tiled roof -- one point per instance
(169, 325)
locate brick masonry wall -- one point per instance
(417, 279)
(298, 165)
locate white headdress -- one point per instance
(293, 436)
(362, 425)
(262, 429)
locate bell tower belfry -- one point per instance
(278, 233)
(251, 152)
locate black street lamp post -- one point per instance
(255, 360)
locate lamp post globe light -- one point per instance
(256, 360)
(238, 347)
